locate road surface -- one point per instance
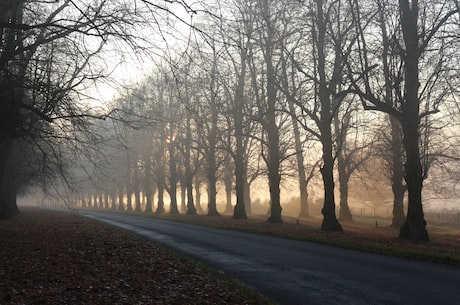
(294, 272)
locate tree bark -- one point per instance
(274, 176)
(247, 194)
(397, 178)
(101, 199)
(8, 205)
(239, 211)
(198, 207)
(344, 212)
(113, 198)
(396, 146)
(160, 204)
(212, 169)
(183, 195)
(137, 189)
(148, 185)
(415, 225)
(212, 192)
(191, 210)
(121, 205)
(330, 222)
(106, 199)
(10, 93)
(343, 173)
(300, 164)
(228, 180)
(129, 191)
(172, 179)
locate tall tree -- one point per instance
(412, 38)
(353, 150)
(210, 100)
(331, 38)
(191, 210)
(171, 140)
(237, 48)
(270, 117)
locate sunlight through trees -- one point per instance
(247, 105)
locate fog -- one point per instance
(278, 108)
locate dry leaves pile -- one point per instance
(59, 258)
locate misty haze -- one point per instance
(318, 122)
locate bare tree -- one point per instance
(236, 48)
(317, 88)
(208, 103)
(414, 38)
(353, 149)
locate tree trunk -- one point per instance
(183, 195)
(274, 177)
(161, 177)
(106, 199)
(211, 174)
(11, 92)
(212, 191)
(160, 204)
(415, 225)
(397, 166)
(330, 222)
(101, 200)
(121, 205)
(148, 185)
(300, 164)
(82, 200)
(228, 180)
(247, 195)
(90, 200)
(397, 174)
(172, 179)
(8, 205)
(344, 175)
(129, 193)
(137, 189)
(113, 199)
(239, 211)
(198, 207)
(228, 200)
(191, 210)
(344, 212)
(94, 198)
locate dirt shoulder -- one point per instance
(59, 258)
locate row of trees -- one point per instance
(264, 85)
(51, 54)
(259, 87)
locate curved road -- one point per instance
(293, 272)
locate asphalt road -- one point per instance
(294, 272)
